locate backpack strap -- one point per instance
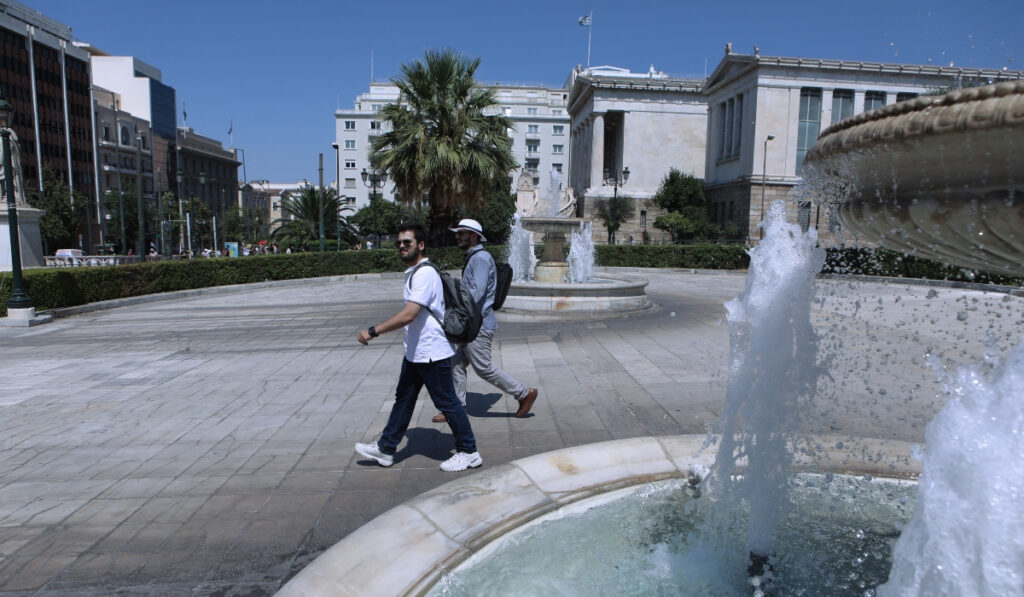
(437, 269)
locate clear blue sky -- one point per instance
(278, 69)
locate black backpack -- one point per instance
(462, 316)
(504, 281)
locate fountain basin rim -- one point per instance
(441, 528)
(610, 282)
(996, 106)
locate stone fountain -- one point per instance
(935, 177)
(551, 290)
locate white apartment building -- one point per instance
(540, 135)
(766, 112)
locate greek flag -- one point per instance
(584, 21)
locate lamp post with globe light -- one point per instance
(19, 298)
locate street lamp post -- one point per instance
(202, 198)
(19, 299)
(764, 178)
(337, 184)
(140, 238)
(181, 213)
(372, 180)
(615, 180)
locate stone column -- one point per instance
(597, 152)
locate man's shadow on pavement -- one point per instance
(479, 405)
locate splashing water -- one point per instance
(772, 365)
(520, 251)
(967, 534)
(581, 254)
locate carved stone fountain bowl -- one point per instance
(937, 177)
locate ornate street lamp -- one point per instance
(19, 298)
(181, 213)
(140, 237)
(615, 180)
(372, 180)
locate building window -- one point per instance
(873, 100)
(532, 147)
(532, 164)
(374, 125)
(558, 129)
(803, 215)
(810, 123)
(350, 164)
(556, 112)
(508, 111)
(557, 149)
(904, 96)
(125, 136)
(350, 143)
(106, 133)
(643, 218)
(350, 183)
(375, 107)
(531, 111)
(729, 129)
(557, 167)
(842, 104)
(533, 128)
(350, 125)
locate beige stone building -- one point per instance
(764, 113)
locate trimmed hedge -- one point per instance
(883, 262)
(52, 288)
(693, 256)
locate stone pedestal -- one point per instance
(551, 272)
(24, 318)
(31, 241)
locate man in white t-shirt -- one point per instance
(427, 361)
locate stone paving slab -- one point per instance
(203, 444)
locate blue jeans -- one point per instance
(437, 376)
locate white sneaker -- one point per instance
(461, 461)
(372, 452)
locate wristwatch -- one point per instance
(372, 330)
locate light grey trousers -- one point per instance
(478, 354)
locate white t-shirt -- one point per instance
(424, 339)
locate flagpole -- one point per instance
(590, 30)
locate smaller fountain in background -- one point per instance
(520, 251)
(581, 254)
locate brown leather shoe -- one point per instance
(526, 403)
(438, 418)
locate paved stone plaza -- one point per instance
(203, 444)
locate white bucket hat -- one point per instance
(472, 226)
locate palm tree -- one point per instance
(300, 217)
(442, 145)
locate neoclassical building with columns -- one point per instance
(744, 130)
(646, 122)
(765, 112)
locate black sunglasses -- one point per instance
(407, 242)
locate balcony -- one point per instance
(533, 154)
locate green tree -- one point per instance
(682, 195)
(299, 224)
(65, 211)
(613, 212)
(497, 211)
(379, 218)
(112, 225)
(441, 146)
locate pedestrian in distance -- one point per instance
(427, 360)
(480, 277)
